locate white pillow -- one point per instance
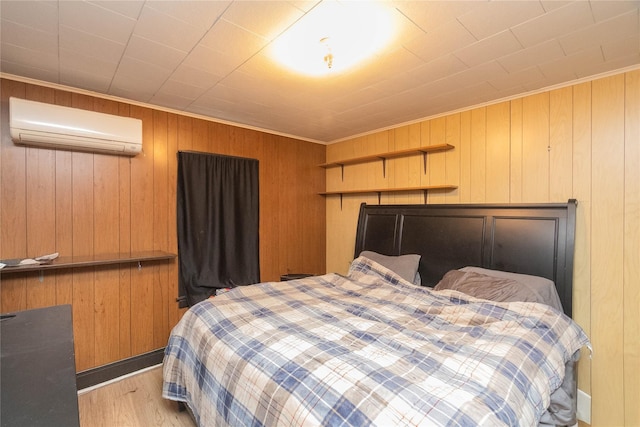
(405, 266)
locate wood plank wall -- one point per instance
(84, 204)
(580, 142)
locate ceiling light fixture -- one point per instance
(328, 57)
(335, 36)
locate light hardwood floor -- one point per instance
(135, 401)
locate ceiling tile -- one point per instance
(558, 22)
(153, 25)
(490, 48)
(266, 19)
(438, 69)
(493, 17)
(194, 77)
(84, 80)
(70, 60)
(621, 27)
(170, 100)
(441, 41)
(518, 79)
(603, 10)
(531, 56)
(129, 8)
(90, 45)
(429, 15)
(20, 68)
(562, 68)
(621, 48)
(90, 18)
(196, 13)
(229, 39)
(154, 53)
(28, 38)
(30, 58)
(215, 63)
(173, 87)
(132, 74)
(40, 15)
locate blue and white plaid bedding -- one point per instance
(367, 349)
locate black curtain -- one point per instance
(218, 223)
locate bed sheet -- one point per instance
(366, 349)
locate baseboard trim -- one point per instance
(104, 373)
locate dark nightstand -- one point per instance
(294, 276)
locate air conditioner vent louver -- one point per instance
(54, 126)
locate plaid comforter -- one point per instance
(366, 349)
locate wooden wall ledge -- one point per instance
(91, 261)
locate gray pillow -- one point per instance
(499, 288)
(405, 266)
(543, 287)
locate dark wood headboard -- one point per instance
(535, 239)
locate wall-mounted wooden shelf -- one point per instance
(91, 261)
(379, 191)
(389, 155)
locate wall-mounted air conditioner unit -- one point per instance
(54, 126)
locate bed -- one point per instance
(406, 337)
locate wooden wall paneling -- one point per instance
(297, 241)
(560, 143)
(290, 236)
(607, 317)
(415, 165)
(342, 215)
(313, 207)
(400, 174)
(124, 245)
(172, 236)
(464, 147)
(436, 168)
(360, 176)
(498, 132)
(107, 241)
(142, 208)
(631, 249)
(219, 138)
(452, 158)
(408, 171)
(581, 169)
(83, 278)
(63, 212)
(535, 148)
(269, 205)
(184, 143)
(380, 140)
(13, 204)
(200, 136)
(83, 245)
(40, 194)
(425, 140)
(160, 228)
(185, 133)
(478, 155)
(335, 222)
(515, 163)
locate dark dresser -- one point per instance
(37, 368)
